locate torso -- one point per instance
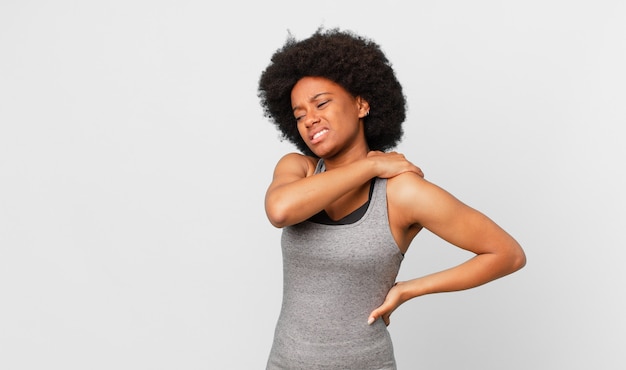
(334, 276)
(403, 231)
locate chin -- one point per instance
(316, 152)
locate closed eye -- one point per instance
(322, 104)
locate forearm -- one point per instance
(294, 202)
(477, 271)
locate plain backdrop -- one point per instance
(134, 158)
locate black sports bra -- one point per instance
(322, 217)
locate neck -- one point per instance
(349, 156)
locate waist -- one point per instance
(347, 346)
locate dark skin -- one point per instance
(330, 121)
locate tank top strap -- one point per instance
(320, 167)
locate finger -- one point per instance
(373, 316)
(371, 320)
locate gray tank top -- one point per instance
(333, 277)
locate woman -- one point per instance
(349, 209)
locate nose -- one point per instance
(310, 120)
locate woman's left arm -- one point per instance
(420, 202)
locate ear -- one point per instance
(363, 105)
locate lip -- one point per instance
(315, 140)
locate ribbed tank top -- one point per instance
(333, 277)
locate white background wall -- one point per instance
(134, 158)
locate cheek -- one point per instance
(301, 130)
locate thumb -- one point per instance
(382, 312)
(374, 316)
(371, 319)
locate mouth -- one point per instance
(318, 136)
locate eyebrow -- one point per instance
(312, 99)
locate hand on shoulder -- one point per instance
(390, 164)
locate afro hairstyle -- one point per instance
(355, 63)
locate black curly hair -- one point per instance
(352, 61)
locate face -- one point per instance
(329, 118)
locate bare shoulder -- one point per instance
(418, 198)
(298, 157)
(296, 162)
(406, 187)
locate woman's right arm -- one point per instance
(295, 195)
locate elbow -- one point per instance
(278, 216)
(519, 262)
(277, 222)
(517, 259)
